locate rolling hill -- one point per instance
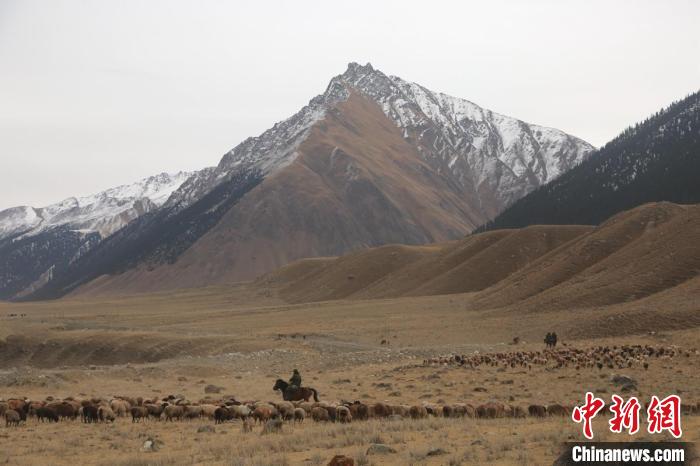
(634, 255)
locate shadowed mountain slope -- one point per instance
(656, 160)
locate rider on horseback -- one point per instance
(295, 381)
(293, 391)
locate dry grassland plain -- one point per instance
(243, 337)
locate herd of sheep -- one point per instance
(612, 357)
(169, 409)
(172, 408)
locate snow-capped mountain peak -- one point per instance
(495, 157)
(490, 153)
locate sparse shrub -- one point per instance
(361, 459)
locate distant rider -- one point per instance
(295, 381)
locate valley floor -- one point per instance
(241, 339)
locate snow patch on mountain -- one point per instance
(104, 212)
(17, 220)
(271, 151)
(478, 146)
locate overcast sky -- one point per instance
(94, 94)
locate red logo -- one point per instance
(625, 415)
(665, 415)
(662, 415)
(587, 412)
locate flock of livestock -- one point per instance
(170, 409)
(611, 357)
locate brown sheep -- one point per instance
(154, 410)
(380, 410)
(320, 414)
(17, 404)
(481, 411)
(491, 410)
(262, 413)
(433, 410)
(74, 403)
(332, 413)
(98, 401)
(12, 418)
(34, 405)
(306, 406)
(222, 414)
(462, 410)
(130, 400)
(208, 410)
(341, 460)
(286, 410)
(172, 412)
(418, 412)
(557, 410)
(138, 413)
(273, 410)
(44, 414)
(192, 412)
(537, 410)
(343, 414)
(359, 410)
(89, 414)
(469, 411)
(448, 411)
(240, 411)
(106, 414)
(64, 409)
(299, 415)
(120, 407)
(517, 411)
(687, 409)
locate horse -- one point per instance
(295, 394)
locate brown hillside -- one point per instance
(350, 274)
(415, 275)
(634, 255)
(468, 265)
(497, 262)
